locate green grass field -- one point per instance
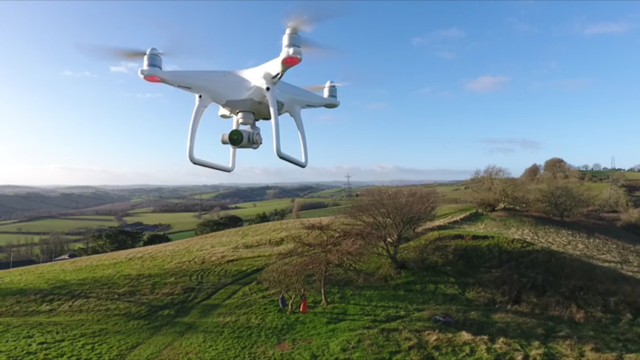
(49, 225)
(329, 193)
(200, 298)
(633, 175)
(207, 196)
(14, 238)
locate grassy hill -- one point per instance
(200, 298)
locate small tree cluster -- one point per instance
(222, 223)
(52, 246)
(562, 200)
(275, 215)
(493, 189)
(155, 239)
(111, 240)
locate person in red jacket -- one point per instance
(303, 304)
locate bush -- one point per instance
(223, 223)
(562, 200)
(630, 217)
(615, 199)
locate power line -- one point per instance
(347, 187)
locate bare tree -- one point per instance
(285, 275)
(489, 188)
(53, 246)
(295, 210)
(597, 167)
(556, 168)
(531, 173)
(326, 249)
(562, 200)
(389, 217)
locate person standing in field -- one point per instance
(283, 301)
(303, 303)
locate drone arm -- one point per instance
(202, 102)
(295, 114)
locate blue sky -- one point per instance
(438, 89)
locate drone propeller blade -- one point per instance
(311, 45)
(103, 51)
(318, 88)
(304, 19)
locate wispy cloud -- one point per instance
(187, 174)
(566, 84)
(440, 42)
(433, 90)
(378, 106)
(521, 26)
(124, 67)
(508, 145)
(438, 35)
(78, 74)
(446, 54)
(582, 25)
(606, 27)
(485, 84)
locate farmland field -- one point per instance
(200, 299)
(49, 225)
(6, 238)
(633, 175)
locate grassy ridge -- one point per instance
(199, 298)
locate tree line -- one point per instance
(555, 189)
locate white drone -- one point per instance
(247, 96)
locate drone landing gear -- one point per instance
(295, 114)
(202, 102)
(247, 138)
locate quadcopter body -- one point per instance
(246, 96)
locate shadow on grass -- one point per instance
(512, 289)
(584, 227)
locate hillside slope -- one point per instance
(199, 299)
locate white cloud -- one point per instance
(445, 54)
(377, 106)
(124, 67)
(606, 28)
(506, 146)
(191, 175)
(521, 26)
(78, 74)
(566, 84)
(509, 145)
(485, 84)
(438, 35)
(433, 90)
